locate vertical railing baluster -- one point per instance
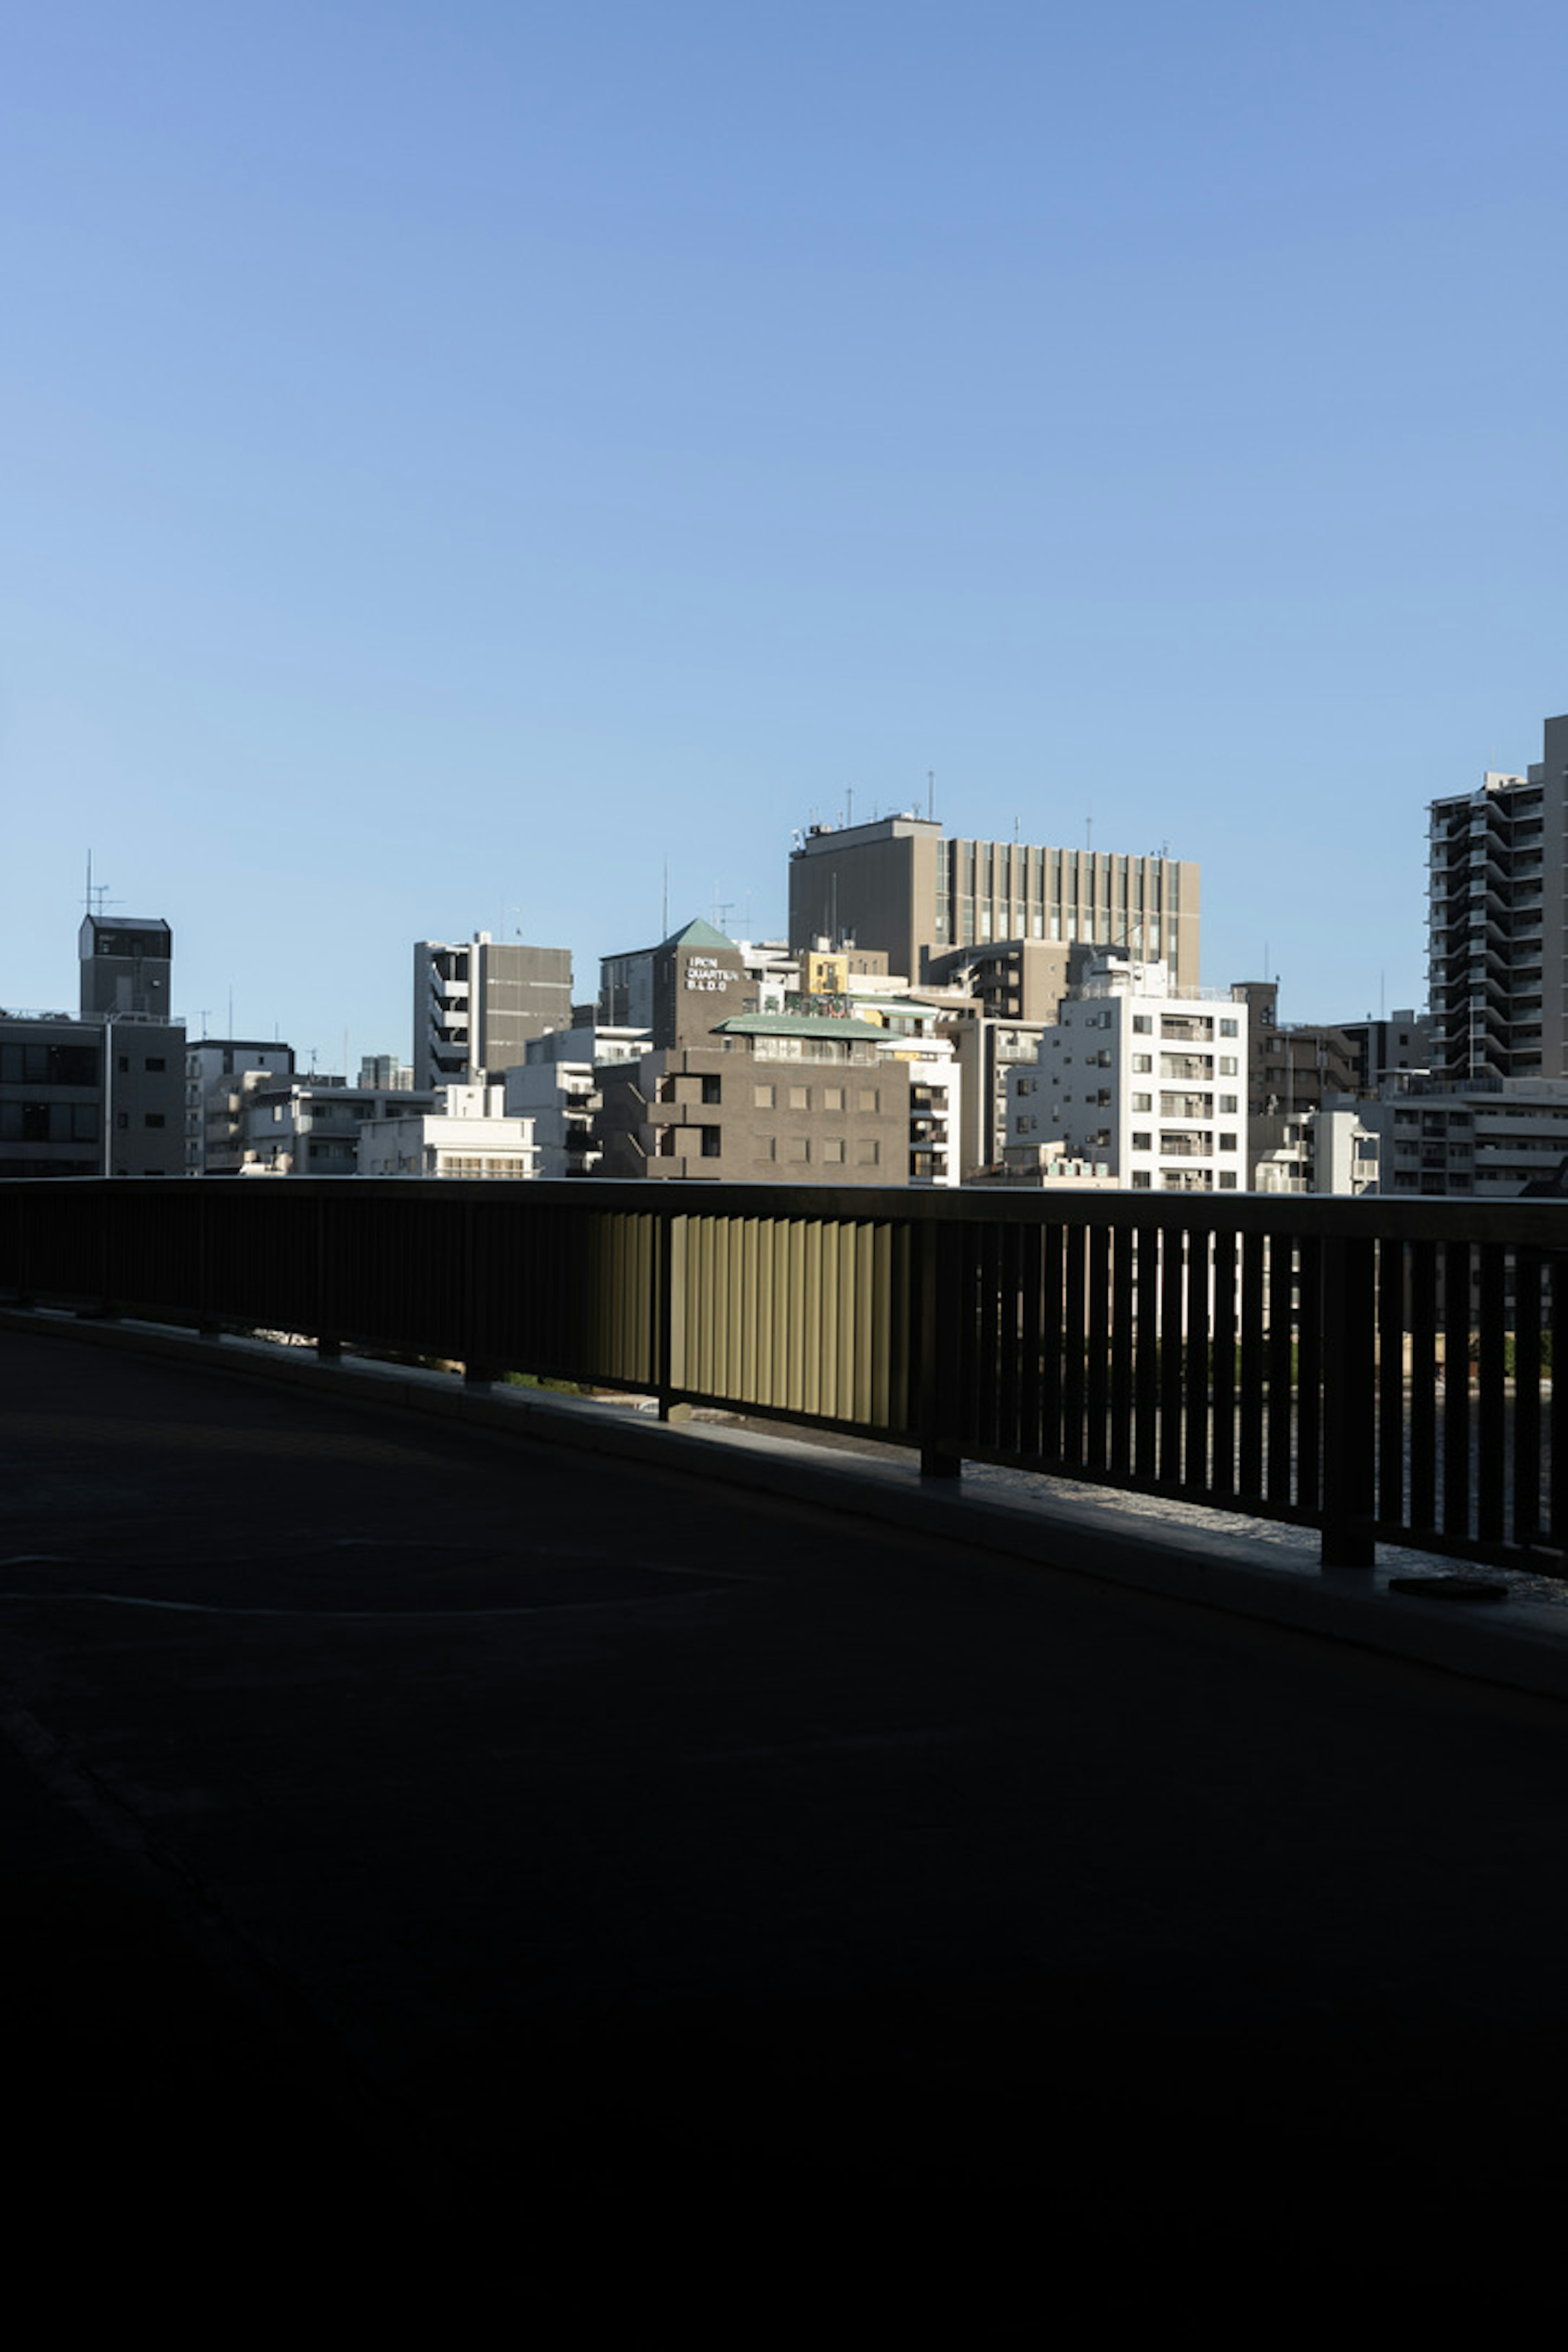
(1122, 1320)
(1491, 1433)
(1526, 1527)
(1457, 1390)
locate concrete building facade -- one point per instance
(1141, 1078)
(1498, 924)
(466, 1134)
(221, 1076)
(476, 1007)
(900, 885)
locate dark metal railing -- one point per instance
(1375, 1370)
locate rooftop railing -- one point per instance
(1376, 1370)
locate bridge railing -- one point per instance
(1374, 1369)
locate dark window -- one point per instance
(154, 1119)
(123, 1064)
(712, 1140)
(156, 1062)
(711, 1090)
(122, 1118)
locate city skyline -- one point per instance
(496, 472)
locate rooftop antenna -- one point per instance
(664, 926)
(99, 890)
(930, 795)
(849, 804)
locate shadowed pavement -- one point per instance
(505, 1828)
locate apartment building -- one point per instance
(1328, 1148)
(1497, 924)
(221, 1076)
(311, 1127)
(1141, 1078)
(1485, 1143)
(476, 1005)
(98, 1093)
(900, 885)
(84, 1097)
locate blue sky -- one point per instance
(462, 460)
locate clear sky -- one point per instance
(460, 460)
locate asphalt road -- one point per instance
(507, 1831)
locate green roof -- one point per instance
(696, 934)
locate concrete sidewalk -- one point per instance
(506, 1825)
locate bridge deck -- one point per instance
(507, 1826)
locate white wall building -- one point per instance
(557, 1087)
(1143, 1078)
(221, 1076)
(1330, 1149)
(466, 1134)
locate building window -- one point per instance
(1143, 1024)
(833, 1151)
(1143, 1061)
(1229, 1029)
(800, 1097)
(1143, 1142)
(711, 1090)
(868, 1151)
(799, 1148)
(155, 1062)
(762, 1098)
(153, 1118)
(871, 1099)
(832, 1098)
(712, 1140)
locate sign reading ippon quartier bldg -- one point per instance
(708, 972)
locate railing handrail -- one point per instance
(1378, 1368)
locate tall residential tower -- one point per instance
(1498, 924)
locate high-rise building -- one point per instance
(476, 1007)
(897, 884)
(1498, 938)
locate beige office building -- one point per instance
(898, 885)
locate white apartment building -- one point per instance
(1327, 1150)
(557, 1087)
(221, 1076)
(466, 1134)
(1143, 1078)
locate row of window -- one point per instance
(866, 1099)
